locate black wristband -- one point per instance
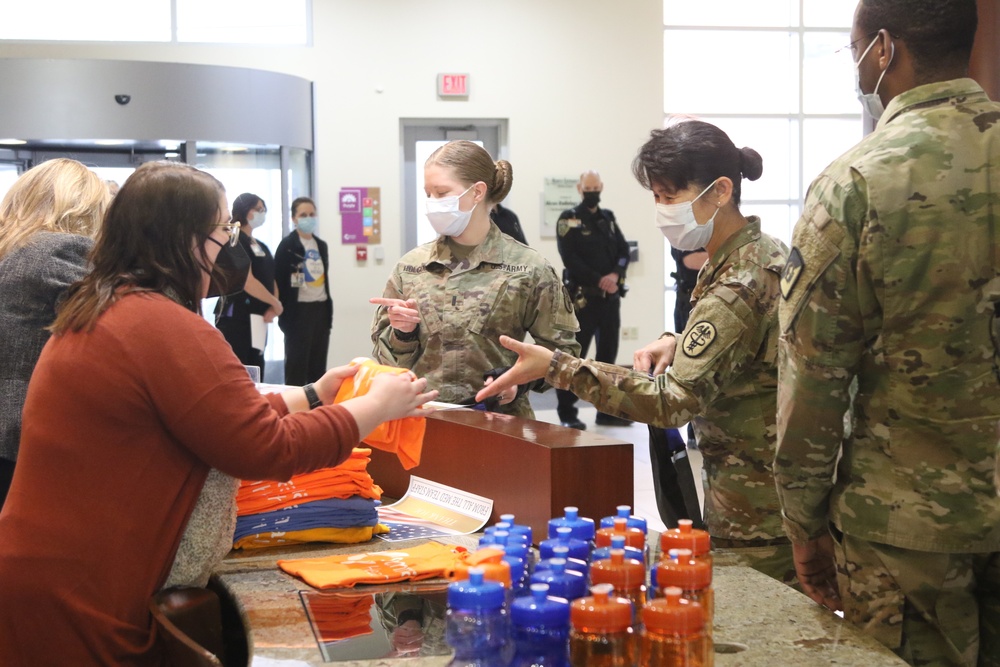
(406, 336)
(312, 396)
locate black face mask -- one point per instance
(232, 269)
(591, 199)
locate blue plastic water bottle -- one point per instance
(562, 583)
(478, 628)
(625, 511)
(516, 555)
(506, 527)
(582, 527)
(577, 548)
(617, 542)
(515, 528)
(574, 564)
(540, 628)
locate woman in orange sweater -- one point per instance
(134, 398)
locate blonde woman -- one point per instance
(48, 221)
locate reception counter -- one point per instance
(758, 622)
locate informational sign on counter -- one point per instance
(429, 510)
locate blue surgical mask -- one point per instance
(307, 225)
(871, 102)
(256, 218)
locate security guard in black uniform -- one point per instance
(595, 255)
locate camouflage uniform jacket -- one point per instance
(723, 379)
(503, 287)
(892, 283)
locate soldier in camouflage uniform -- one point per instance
(722, 377)
(889, 300)
(448, 301)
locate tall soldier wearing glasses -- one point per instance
(889, 315)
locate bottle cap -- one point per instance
(682, 571)
(625, 511)
(563, 583)
(515, 529)
(633, 536)
(601, 612)
(475, 592)
(685, 537)
(622, 573)
(539, 609)
(673, 615)
(581, 528)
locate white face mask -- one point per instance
(871, 102)
(445, 216)
(256, 218)
(678, 224)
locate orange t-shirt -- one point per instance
(404, 437)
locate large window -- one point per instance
(775, 77)
(285, 22)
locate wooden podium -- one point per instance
(528, 468)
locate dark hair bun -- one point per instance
(751, 164)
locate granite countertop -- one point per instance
(758, 621)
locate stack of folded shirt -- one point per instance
(328, 505)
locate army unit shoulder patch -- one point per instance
(793, 269)
(699, 338)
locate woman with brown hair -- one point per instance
(448, 301)
(48, 221)
(133, 400)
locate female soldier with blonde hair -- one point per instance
(448, 301)
(48, 221)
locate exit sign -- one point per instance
(453, 85)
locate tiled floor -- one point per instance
(644, 504)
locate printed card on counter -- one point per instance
(428, 510)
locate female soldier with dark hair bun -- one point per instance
(448, 301)
(720, 373)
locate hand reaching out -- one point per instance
(532, 364)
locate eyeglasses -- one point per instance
(850, 47)
(233, 230)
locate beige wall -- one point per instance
(580, 82)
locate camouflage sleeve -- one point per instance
(822, 338)
(388, 348)
(552, 322)
(712, 351)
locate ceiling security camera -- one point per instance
(123, 99)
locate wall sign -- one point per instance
(360, 215)
(453, 85)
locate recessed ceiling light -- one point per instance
(12, 142)
(110, 142)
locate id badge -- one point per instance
(298, 279)
(257, 250)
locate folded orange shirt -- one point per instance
(404, 437)
(426, 561)
(350, 478)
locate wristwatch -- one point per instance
(312, 396)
